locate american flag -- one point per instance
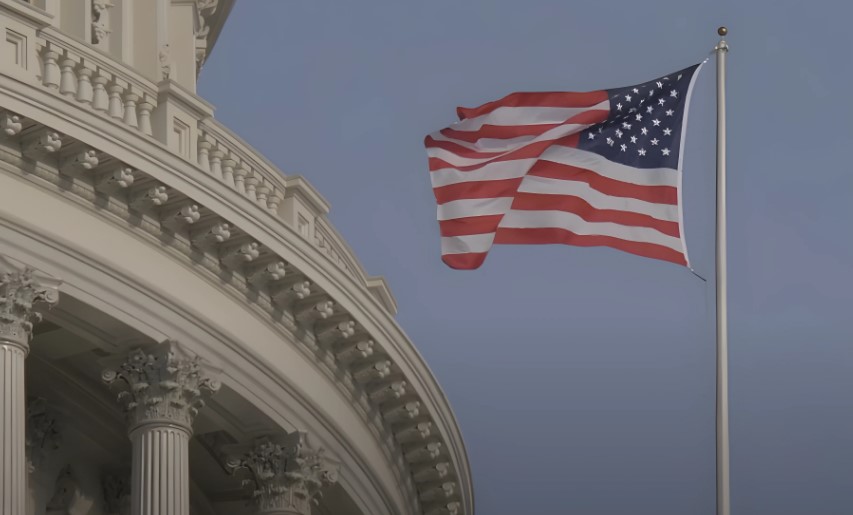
(601, 168)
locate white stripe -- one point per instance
(577, 225)
(510, 144)
(466, 244)
(490, 172)
(474, 207)
(506, 116)
(562, 155)
(598, 200)
(605, 168)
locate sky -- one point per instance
(583, 379)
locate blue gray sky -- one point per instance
(583, 379)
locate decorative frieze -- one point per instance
(312, 310)
(290, 290)
(438, 492)
(431, 472)
(119, 177)
(160, 386)
(235, 256)
(101, 22)
(148, 197)
(451, 508)
(180, 216)
(10, 123)
(81, 161)
(286, 475)
(373, 371)
(266, 273)
(41, 143)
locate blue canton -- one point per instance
(645, 123)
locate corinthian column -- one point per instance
(287, 475)
(20, 290)
(161, 396)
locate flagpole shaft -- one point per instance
(723, 494)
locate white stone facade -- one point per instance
(182, 331)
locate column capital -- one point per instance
(161, 387)
(21, 290)
(286, 473)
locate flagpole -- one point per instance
(723, 495)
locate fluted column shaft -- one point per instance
(160, 476)
(13, 461)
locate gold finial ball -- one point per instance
(722, 31)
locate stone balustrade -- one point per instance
(79, 72)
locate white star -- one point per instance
(669, 112)
(626, 125)
(665, 151)
(633, 139)
(624, 147)
(667, 132)
(618, 133)
(661, 101)
(591, 135)
(651, 92)
(679, 77)
(650, 109)
(656, 122)
(600, 129)
(673, 93)
(660, 84)
(619, 107)
(628, 98)
(639, 117)
(644, 131)
(635, 90)
(654, 141)
(610, 141)
(632, 110)
(641, 151)
(643, 101)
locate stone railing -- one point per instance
(78, 71)
(228, 158)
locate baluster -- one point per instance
(145, 108)
(67, 81)
(50, 73)
(100, 98)
(251, 187)
(85, 92)
(116, 110)
(216, 163)
(240, 174)
(130, 99)
(204, 154)
(228, 171)
(274, 200)
(263, 193)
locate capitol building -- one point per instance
(182, 329)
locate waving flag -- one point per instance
(601, 168)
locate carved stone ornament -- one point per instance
(100, 20)
(161, 387)
(287, 477)
(21, 290)
(42, 433)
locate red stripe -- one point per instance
(544, 236)
(498, 132)
(542, 99)
(469, 261)
(477, 189)
(571, 204)
(655, 194)
(458, 149)
(526, 152)
(469, 225)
